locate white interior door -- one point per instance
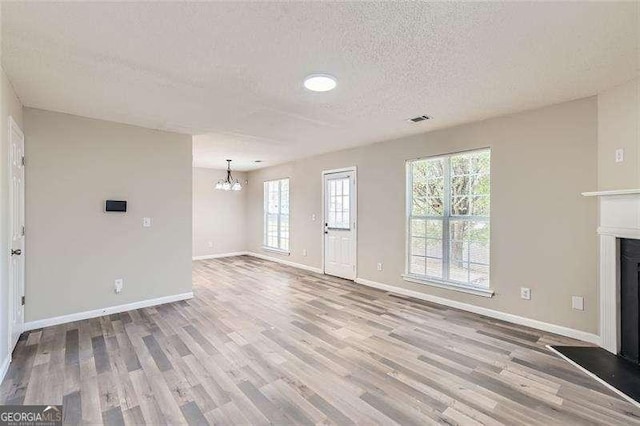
(340, 224)
(16, 227)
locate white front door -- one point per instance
(16, 237)
(340, 223)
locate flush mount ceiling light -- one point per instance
(320, 82)
(229, 184)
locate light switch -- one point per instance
(577, 303)
(619, 155)
(313, 217)
(146, 222)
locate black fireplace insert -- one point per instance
(630, 299)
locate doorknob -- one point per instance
(16, 252)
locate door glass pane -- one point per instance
(338, 206)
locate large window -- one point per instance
(448, 219)
(276, 214)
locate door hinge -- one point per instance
(23, 231)
(23, 163)
(23, 300)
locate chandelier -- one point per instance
(229, 184)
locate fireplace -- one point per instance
(629, 299)
(619, 282)
(618, 230)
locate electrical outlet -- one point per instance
(525, 293)
(210, 243)
(313, 217)
(619, 155)
(304, 252)
(146, 222)
(577, 303)
(117, 284)
(379, 266)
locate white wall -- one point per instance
(542, 230)
(9, 106)
(75, 250)
(218, 216)
(619, 128)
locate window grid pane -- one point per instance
(276, 214)
(426, 244)
(427, 187)
(449, 223)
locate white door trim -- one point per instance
(353, 169)
(13, 126)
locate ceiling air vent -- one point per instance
(419, 119)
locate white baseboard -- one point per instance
(516, 319)
(218, 256)
(5, 367)
(286, 262)
(33, 325)
(593, 376)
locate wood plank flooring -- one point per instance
(265, 343)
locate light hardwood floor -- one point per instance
(264, 343)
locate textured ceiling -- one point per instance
(232, 72)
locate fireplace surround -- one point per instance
(619, 218)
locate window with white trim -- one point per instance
(449, 218)
(276, 214)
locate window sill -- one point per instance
(477, 291)
(276, 250)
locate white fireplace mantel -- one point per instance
(611, 193)
(619, 218)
